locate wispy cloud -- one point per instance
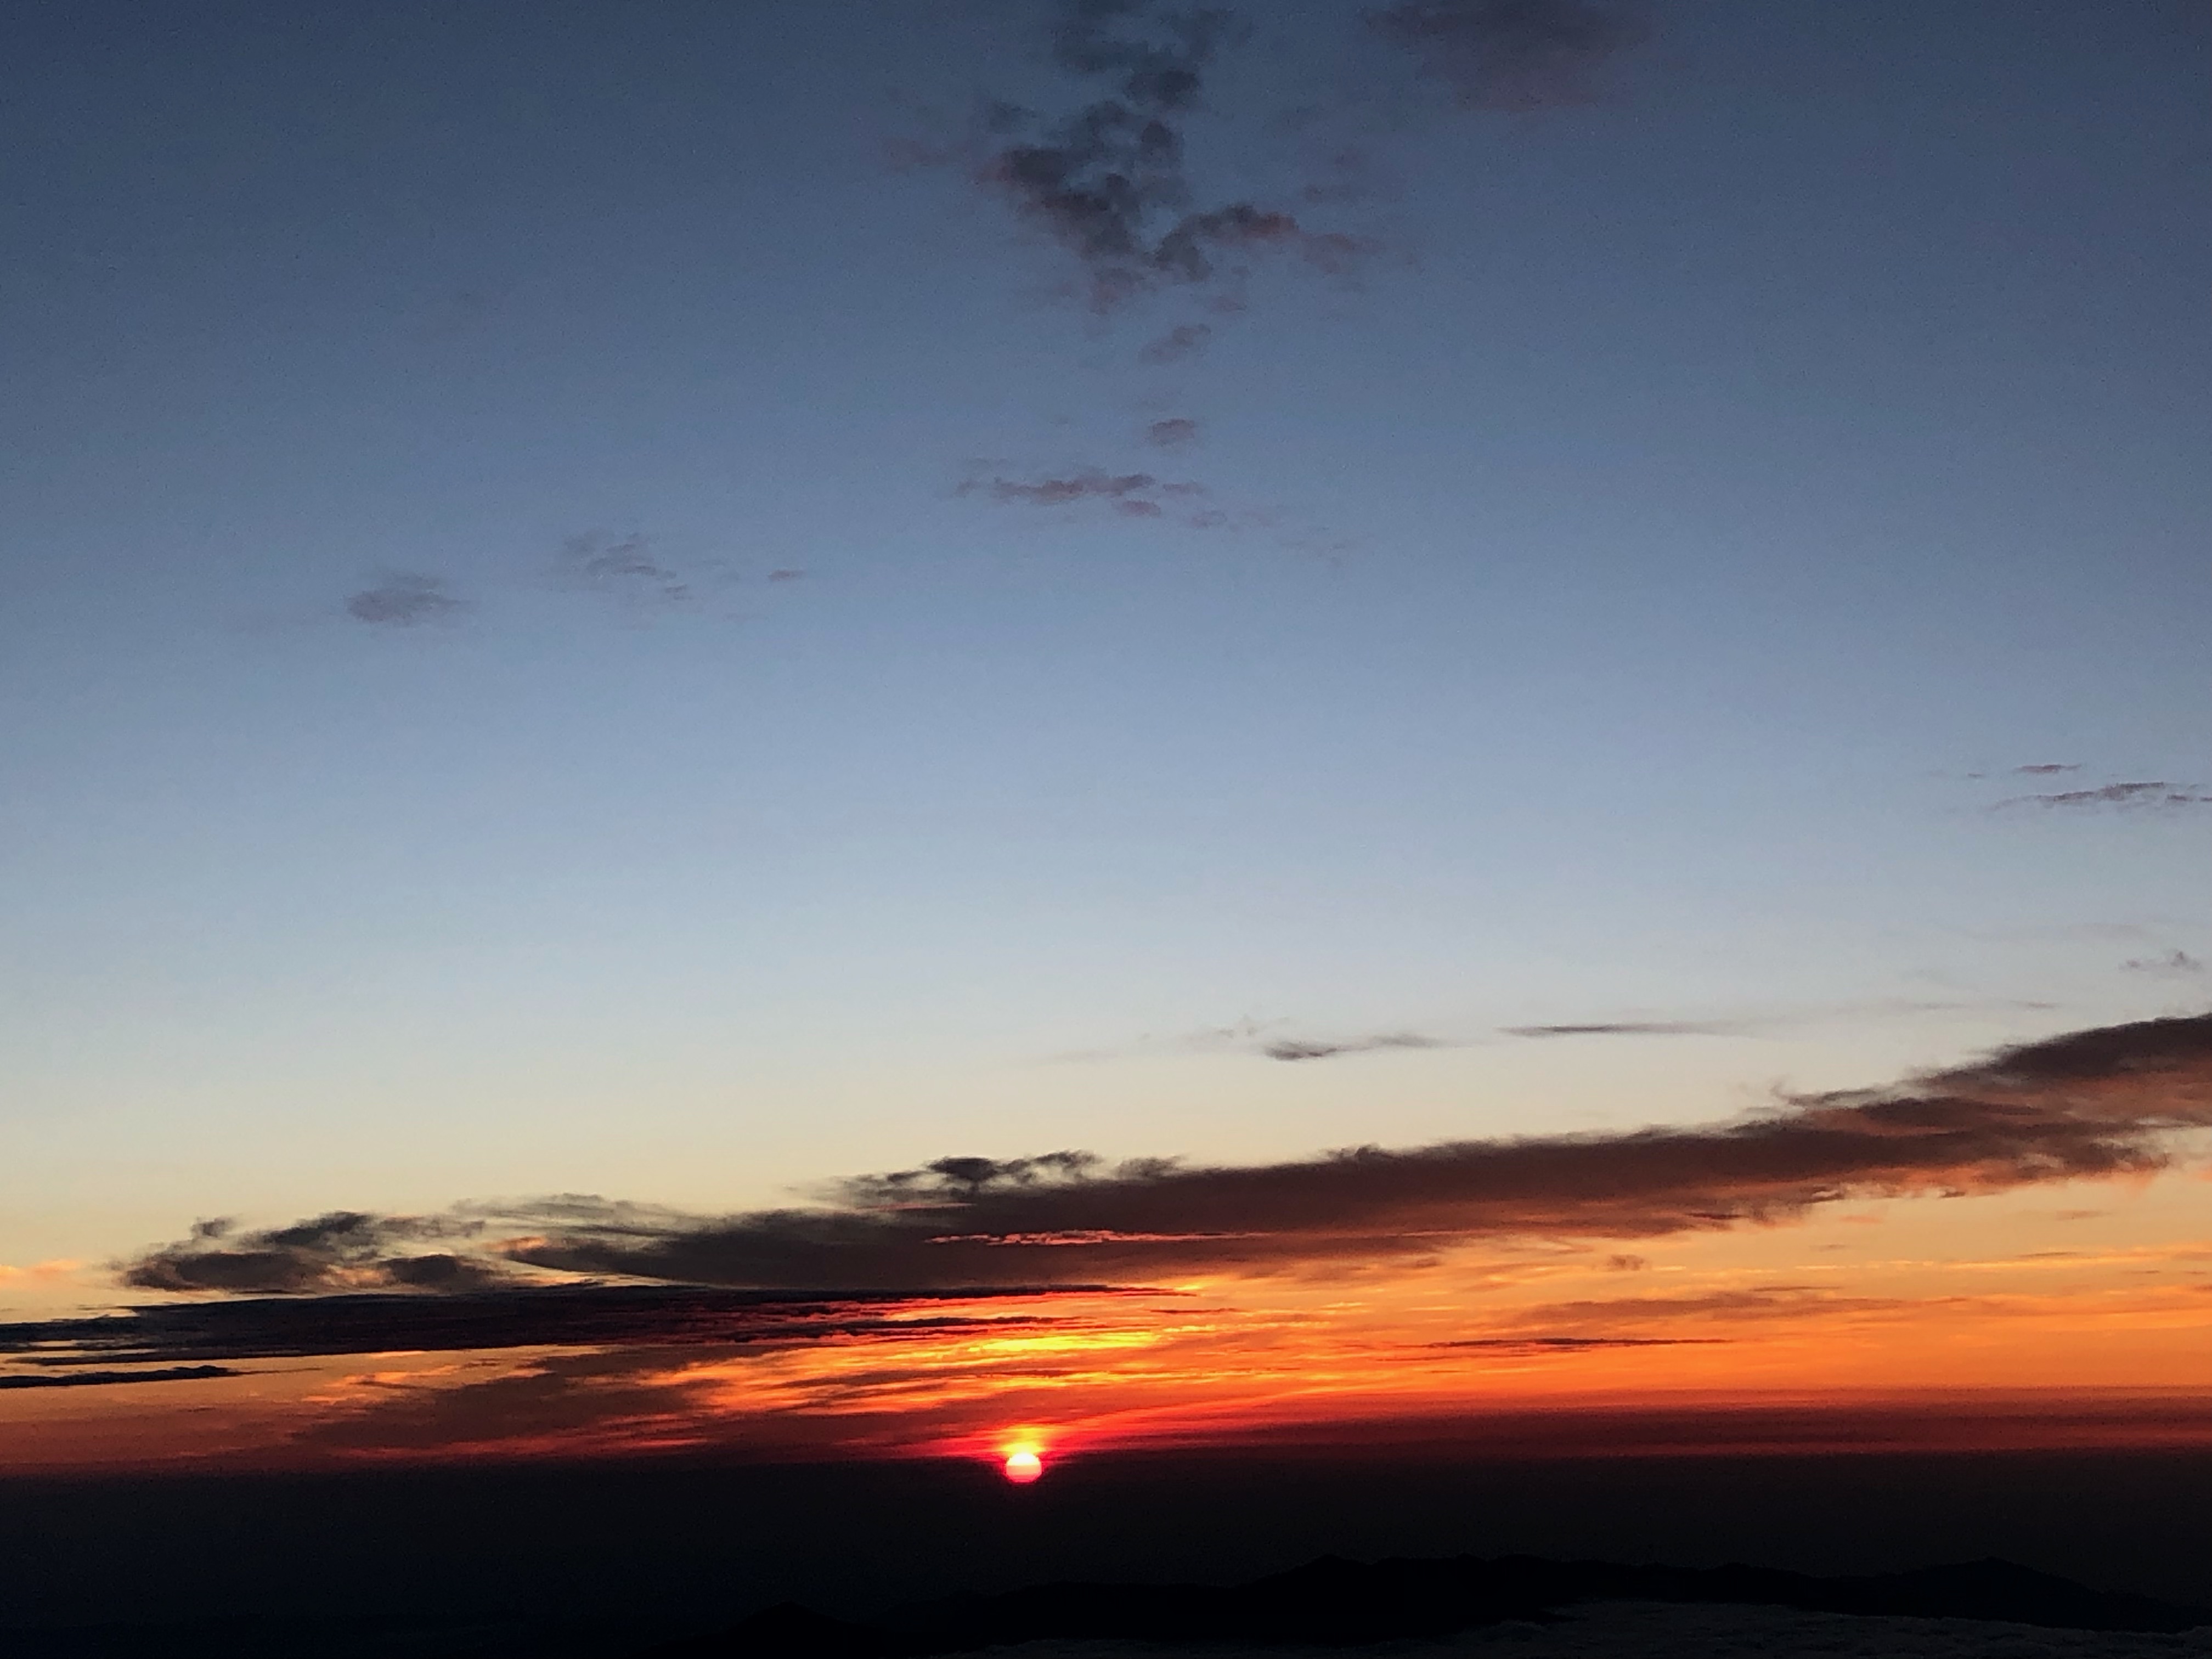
(2151, 795)
(1511, 54)
(1172, 433)
(630, 568)
(1144, 495)
(2174, 964)
(1131, 494)
(405, 599)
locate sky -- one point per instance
(1534, 666)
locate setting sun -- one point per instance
(1023, 1465)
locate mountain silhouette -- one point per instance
(1332, 1602)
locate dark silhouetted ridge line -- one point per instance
(1332, 1602)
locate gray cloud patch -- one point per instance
(1109, 183)
(1511, 54)
(405, 599)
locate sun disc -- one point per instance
(1023, 1466)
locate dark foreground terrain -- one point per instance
(1187, 1551)
(1332, 1602)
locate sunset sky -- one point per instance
(855, 729)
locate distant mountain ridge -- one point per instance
(1332, 1602)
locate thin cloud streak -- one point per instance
(1133, 495)
(1626, 1028)
(2151, 795)
(1296, 1049)
(106, 1379)
(569, 1315)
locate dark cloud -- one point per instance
(1172, 433)
(2088, 1105)
(2140, 796)
(1511, 54)
(571, 1315)
(2174, 1055)
(344, 1250)
(1109, 183)
(1294, 1048)
(2046, 768)
(403, 599)
(787, 575)
(1624, 1028)
(2174, 964)
(104, 1379)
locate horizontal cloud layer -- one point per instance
(2091, 1103)
(516, 1316)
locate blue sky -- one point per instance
(1620, 579)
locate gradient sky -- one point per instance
(579, 621)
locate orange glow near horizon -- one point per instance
(2041, 1318)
